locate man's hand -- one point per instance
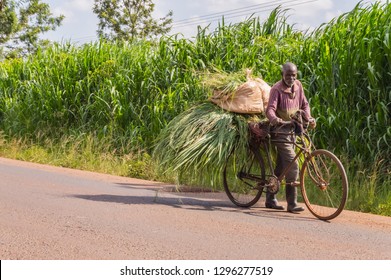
(312, 123)
(276, 121)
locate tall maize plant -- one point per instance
(346, 64)
(124, 91)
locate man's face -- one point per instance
(289, 76)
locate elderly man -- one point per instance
(286, 98)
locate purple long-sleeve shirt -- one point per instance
(282, 106)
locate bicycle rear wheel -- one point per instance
(243, 178)
(324, 184)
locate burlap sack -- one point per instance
(265, 89)
(251, 97)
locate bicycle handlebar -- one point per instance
(284, 123)
(292, 125)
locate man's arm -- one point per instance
(272, 107)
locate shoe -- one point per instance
(294, 208)
(291, 198)
(272, 203)
(274, 206)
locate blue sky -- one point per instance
(80, 22)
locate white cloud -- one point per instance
(332, 14)
(313, 9)
(71, 9)
(82, 5)
(224, 5)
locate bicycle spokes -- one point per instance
(324, 184)
(319, 172)
(243, 176)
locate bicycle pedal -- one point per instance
(293, 184)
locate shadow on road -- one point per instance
(171, 201)
(195, 204)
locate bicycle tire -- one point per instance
(324, 184)
(238, 171)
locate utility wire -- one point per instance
(238, 14)
(237, 10)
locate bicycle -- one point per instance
(322, 177)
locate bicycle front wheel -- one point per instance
(243, 178)
(324, 184)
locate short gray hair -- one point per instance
(288, 65)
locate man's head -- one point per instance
(289, 73)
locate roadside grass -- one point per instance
(367, 192)
(82, 152)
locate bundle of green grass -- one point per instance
(203, 137)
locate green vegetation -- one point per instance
(200, 140)
(112, 100)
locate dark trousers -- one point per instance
(285, 155)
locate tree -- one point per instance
(129, 19)
(21, 23)
(8, 21)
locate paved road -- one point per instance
(58, 213)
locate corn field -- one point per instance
(128, 92)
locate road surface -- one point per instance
(58, 213)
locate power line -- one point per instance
(271, 3)
(238, 14)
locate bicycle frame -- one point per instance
(304, 149)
